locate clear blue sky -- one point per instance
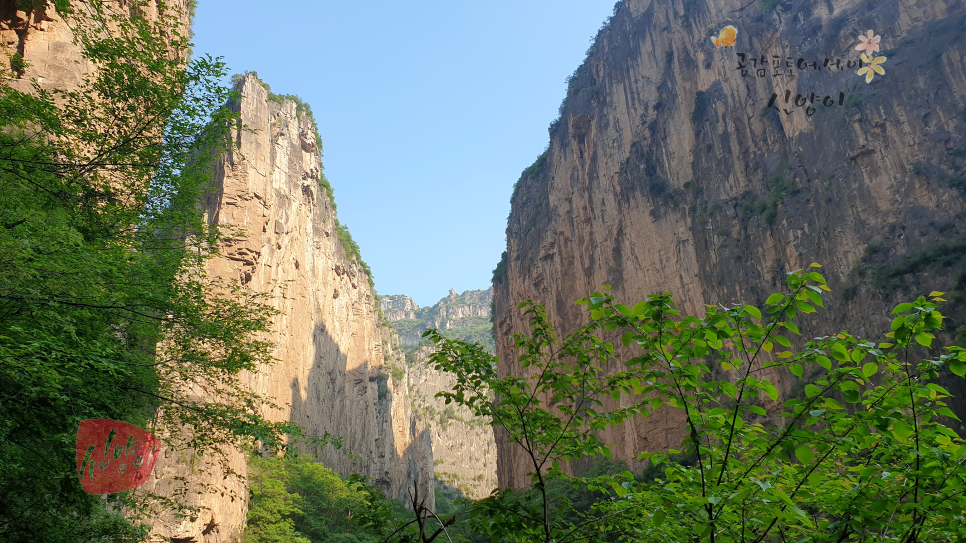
(428, 112)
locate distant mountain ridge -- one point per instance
(465, 316)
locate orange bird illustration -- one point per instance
(726, 38)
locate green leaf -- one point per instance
(659, 517)
(757, 410)
(774, 299)
(811, 391)
(753, 311)
(839, 353)
(902, 431)
(852, 396)
(870, 369)
(815, 297)
(902, 308)
(924, 339)
(804, 454)
(770, 390)
(796, 369)
(824, 362)
(958, 367)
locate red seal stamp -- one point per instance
(114, 456)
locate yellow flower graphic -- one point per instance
(872, 67)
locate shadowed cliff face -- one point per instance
(668, 170)
(329, 347)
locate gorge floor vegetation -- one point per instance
(862, 455)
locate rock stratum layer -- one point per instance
(330, 348)
(669, 170)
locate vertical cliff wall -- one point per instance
(43, 39)
(672, 168)
(331, 350)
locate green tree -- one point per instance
(294, 499)
(105, 307)
(862, 455)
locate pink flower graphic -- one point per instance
(869, 43)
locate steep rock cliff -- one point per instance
(669, 170)
(331, 350)
(464, 446)
(43, 39)
(330, 347)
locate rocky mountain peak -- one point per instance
(466, 316)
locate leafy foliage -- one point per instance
(500, 271)
(352, 250)
(862, 455)
(296, 500)
(531, 172)
(106, 310)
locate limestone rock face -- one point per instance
(670, 169)
(331, 352)
(397, 308)
(464, 446)
(44, 40)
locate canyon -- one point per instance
(675, 165)
(464, 446)
(678, 165)
(340, 368)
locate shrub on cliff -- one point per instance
(862, 455)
